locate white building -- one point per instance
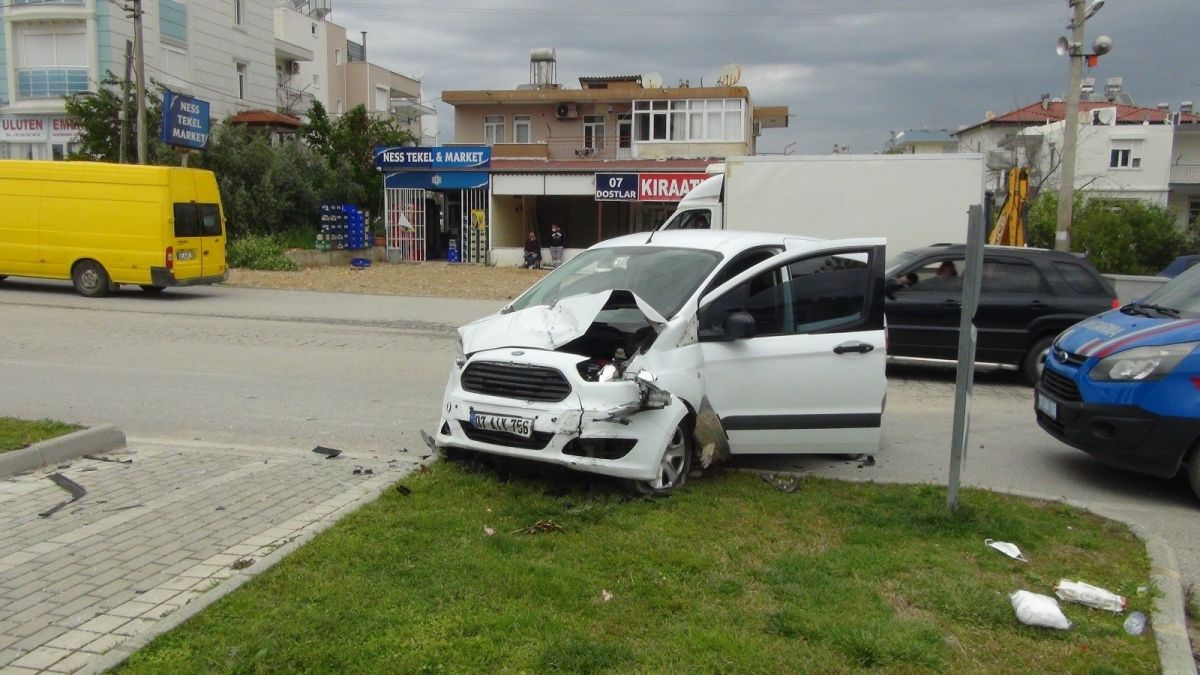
(1124, 151)
(221, 51)
(330, 68)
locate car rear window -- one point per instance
(1010, 276)
(1080, 279)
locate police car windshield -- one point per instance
(663, 277)
(1181, 294)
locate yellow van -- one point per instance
(101, 225)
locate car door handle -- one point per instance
(860, 347)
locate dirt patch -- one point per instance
(430, 279)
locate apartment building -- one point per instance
(222, 51)
(549, 150)
(1124, 151)
(318, 62)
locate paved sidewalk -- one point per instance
(152, 535)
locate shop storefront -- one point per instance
(38, 137)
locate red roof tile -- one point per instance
(1056, 112)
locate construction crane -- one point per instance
(1010, 224)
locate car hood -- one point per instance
(548, 326)
(1116, 331)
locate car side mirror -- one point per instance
(739, 326)
(890, 286)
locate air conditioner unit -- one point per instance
(566, 111)
(293, 67)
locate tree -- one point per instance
(1117, 236)
(349, 143)
(98, 114)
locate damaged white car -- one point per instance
(645, 354)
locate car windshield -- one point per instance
(663, 277)
(1181, 294)
(897, 261)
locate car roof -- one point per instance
(1019, 250)
(726, 242)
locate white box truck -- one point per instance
(913, 200)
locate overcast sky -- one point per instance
(850, 71)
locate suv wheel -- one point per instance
(1035, 360)
(1193, 469)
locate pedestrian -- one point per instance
(533, 251)
(557, 241)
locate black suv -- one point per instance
(1027, 297)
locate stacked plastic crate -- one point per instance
(356, 228)
(332, 235)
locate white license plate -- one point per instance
(186, 255)
(517, 426)
(1048, 406)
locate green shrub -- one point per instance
(1117, 236)
(258, 252)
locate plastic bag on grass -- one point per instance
(1034, 609)
(1087, 594)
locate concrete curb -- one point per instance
(1168, 619)
(123, 651)
(103, 438)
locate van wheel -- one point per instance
(673, 466)
(1035, 360)
(90, 279)
(152, 289)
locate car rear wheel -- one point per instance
(152, 289)
(1035, 360)
(90, 279)
(1193, 469)
(673, 466)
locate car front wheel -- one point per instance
(1035, 360)
(673, 466)
(1193, 469)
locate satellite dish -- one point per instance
(652, 81)
(989, 115)
(729, 75)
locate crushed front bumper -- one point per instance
(577, 432)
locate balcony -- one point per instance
(1186, 174)
(292, 101)
(50, 82)
(584, 148)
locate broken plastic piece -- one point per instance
(1087, 594)
(540, 526)
(428, 441)
(1136, 623)
(605, 596)
(403, 490)
(329, 453)
(242, 563)
(787, 484)
(100, 458)
(1007, 549)
(1034, 609)
(69, 485)
(489, 531)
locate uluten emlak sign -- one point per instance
(645, 187)
(185, 121)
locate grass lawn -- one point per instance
(731, 575)
(16, 434)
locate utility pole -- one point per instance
(1066, 187)
(143, 154)
(125, 100)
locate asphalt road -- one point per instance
(295, 369)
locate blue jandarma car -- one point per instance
(1124, 386)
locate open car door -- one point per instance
(794, 350)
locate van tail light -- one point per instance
(170, 257)
(1116, 303)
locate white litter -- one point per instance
(1087, 594)
(1007, 549)
(1034, 609)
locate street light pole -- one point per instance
(1066, 187)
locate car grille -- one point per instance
(1059, 386)
(511, 380)
(539, 440)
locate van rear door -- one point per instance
(186, 252)
(212, 225)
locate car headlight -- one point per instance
(1142, 364)
(461, 357)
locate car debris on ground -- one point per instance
(77, 492)
(1089, 595)
(329, 453)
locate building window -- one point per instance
(382, 94)
(337, 57)
(174, 63)
(51, 60)
(493, 129)
(1194, 211)
(690, 120)
(1125, 155)
(313, 28)
(624, 130)
(593, 132)
(340, 108)
(241, 80)
(237, 12)
(522, 129)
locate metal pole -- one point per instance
(967, 337)
(125, 101)
(140, 67)
(1066, 187)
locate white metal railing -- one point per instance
(583, 148)
(1185, 173)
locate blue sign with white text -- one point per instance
(184, 121)
(440, 158)
(616, 187)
